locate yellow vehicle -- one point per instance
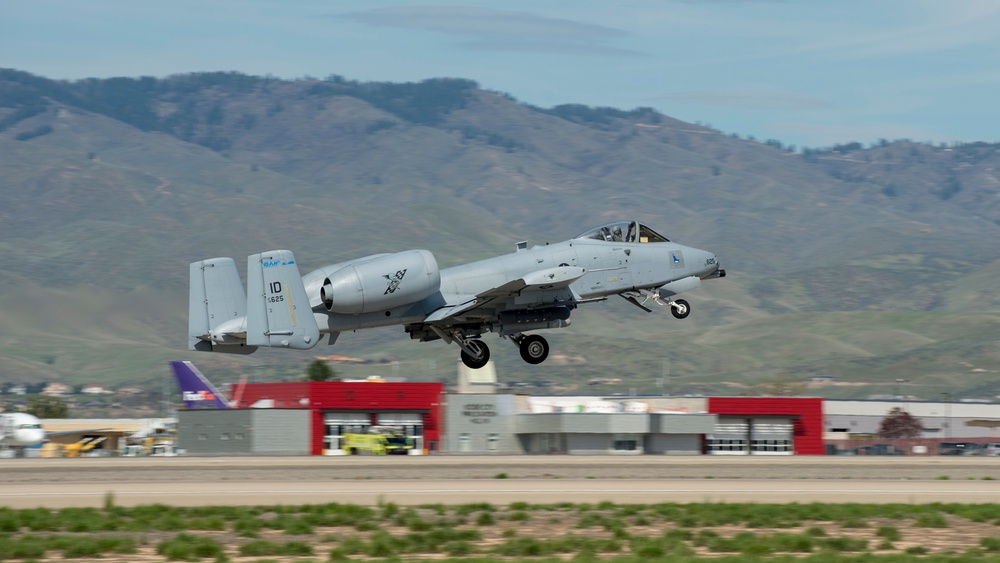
(86, 444)
(370, 444)
(376, 443)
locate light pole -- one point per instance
(898, 381)
(947, 415)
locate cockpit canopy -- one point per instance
(623, 231)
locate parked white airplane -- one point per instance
(20, 430)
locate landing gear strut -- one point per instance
(479, 356)
(680, 309)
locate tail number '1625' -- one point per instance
(276, 296)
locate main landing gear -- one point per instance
(534, 349)
(475, 353)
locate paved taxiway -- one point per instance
(192, 481)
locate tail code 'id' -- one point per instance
(278, 311)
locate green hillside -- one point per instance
(868, 264)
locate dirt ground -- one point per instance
(26, 477)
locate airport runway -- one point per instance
(194, 481)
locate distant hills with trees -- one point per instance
(867, 263)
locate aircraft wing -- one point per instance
(540, 281)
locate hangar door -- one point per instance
(771, 436)
(339, 423)
(729, 437)
(411, 423)
(752, 436)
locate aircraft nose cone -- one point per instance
(707, 262)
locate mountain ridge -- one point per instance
(111, 187)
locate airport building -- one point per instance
(311, 418)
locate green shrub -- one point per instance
(26, 547)
(791, 543)
(991, 543)
(890, 533)
(297, 527)
(677, 534)
(247, 527)
(519, 516)
(843, 544)
(352, 545)
(381, 544)
(260, 548)
(485, 519)
(931, 520)
(188, 547)
(467, 509)
(458, 548)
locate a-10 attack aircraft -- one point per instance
(534, 288)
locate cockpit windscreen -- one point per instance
(623, 231)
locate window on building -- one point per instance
(726, 445)
(771, 446)
(626, 442)
(224, 436)
(464, 443)
(238, 436)
(492, 442)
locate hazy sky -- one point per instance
(806, 72)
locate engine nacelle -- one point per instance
(376, 284)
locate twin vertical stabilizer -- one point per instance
(274, 311)
(278, 312)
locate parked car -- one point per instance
(878, 449)
(955, 448)
(991, 449)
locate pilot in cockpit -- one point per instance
(616, 233)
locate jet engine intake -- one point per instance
(376, 284)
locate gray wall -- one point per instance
(244, 431)
(471, 419)
(674, 444)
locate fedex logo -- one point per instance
(201, 395)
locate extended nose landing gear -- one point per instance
(679, 308)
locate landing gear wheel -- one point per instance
(483, 354)
(534, 349)
(680, 309)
